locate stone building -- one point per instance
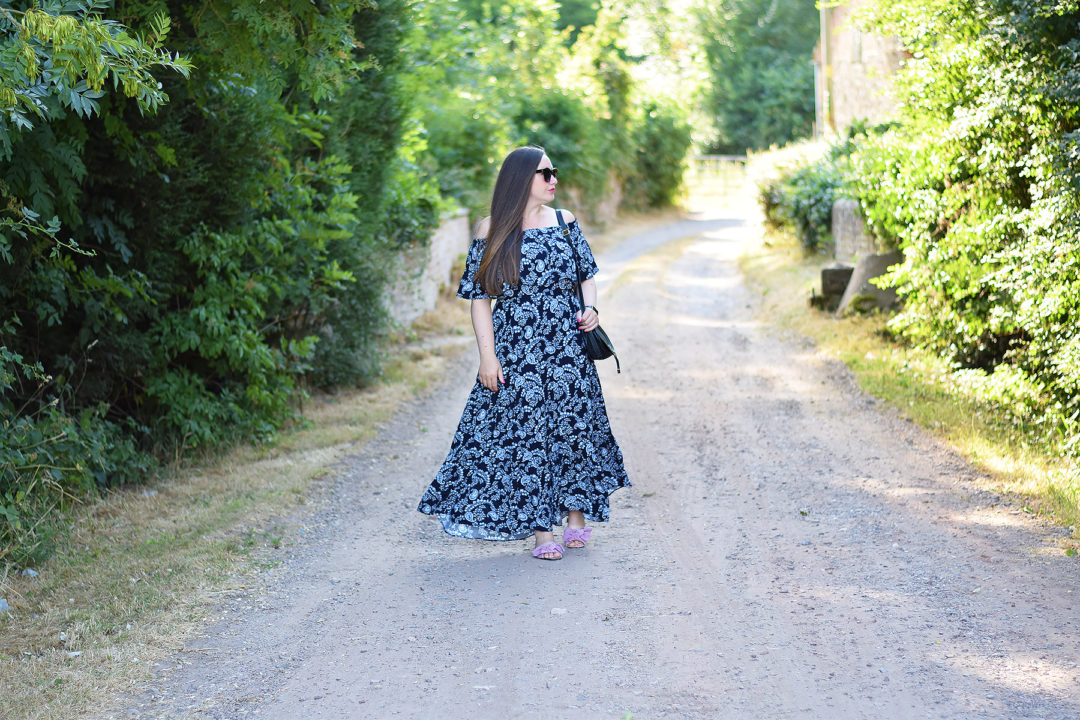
(853, 70)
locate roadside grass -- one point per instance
(140, 570)
(916, 383)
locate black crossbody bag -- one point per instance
(598, 345)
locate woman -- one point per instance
(534, 447)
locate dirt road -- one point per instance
(789, 550)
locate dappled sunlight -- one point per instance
(862, 596)
(682, 297)
(1019, 671)
(722, 244)
(1024, 472)
(705, 376)
(1046, 550)
(716, 283)
(637, 272)
(697, 321)
(1004, 667)
(933, 499)
(989, 518)
(637, 392)
(908, 492)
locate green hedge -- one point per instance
(979, 186)
(801, 199)
(206, 249)
(662, 139)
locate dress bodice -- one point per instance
(548, 263)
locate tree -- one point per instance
(58, 58)
(57, 63)
(762, 87)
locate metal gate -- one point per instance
(717, 175)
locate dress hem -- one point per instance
(475, 532)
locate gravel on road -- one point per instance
(790, 549)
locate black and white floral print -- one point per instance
(524, 456)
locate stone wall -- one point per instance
(420, 273)
(597, 214)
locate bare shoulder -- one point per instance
(568, 216)
(482, 228)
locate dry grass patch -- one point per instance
(916, 383)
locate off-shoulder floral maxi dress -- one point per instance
(524, 456)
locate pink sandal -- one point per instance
(581, 535)
(550, 547)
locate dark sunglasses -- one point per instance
(548, 173)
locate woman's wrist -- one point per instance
(593, 308)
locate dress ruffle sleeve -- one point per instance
(586, 262)
(469, 288)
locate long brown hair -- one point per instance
(502, 255)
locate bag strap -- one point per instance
(577, 262)
(577, 272)
(562, 224)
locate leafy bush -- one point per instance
(49, 459)
(374, 128)
(571, 134)
(662, 139)
(53, 448)
(979, 186)
(801, 201)
(204, 249)
(346, 353)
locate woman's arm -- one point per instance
(491, 374)
(588, 321)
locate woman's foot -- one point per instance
(576, 534)
(546, 547)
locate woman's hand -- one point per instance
(491, 374)
(587, 321)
